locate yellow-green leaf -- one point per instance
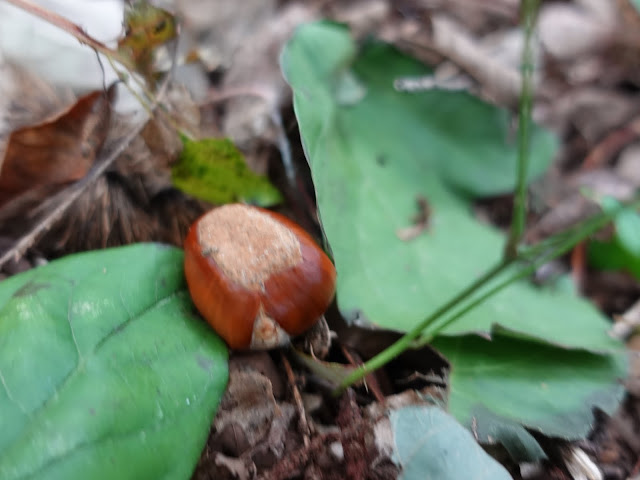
(214, 170)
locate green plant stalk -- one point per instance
(536, 255)
(567, 239)
(406, 340)
(517, 229)
(530, 8)
(564, 244)
(556, 246)
(505, 283)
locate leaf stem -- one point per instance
(406, 340)
(517, 226)
(538, 255)
(565, 243)
(530, 8)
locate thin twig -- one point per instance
(70, 195)
(370, 380)
(302, 420)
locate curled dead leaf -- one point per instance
(58, 151)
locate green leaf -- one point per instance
(628, 231)
(214, 170)
(500, 387)
(431, 444)
(636, 4)
(471, 144)
(622, 252)
(612, 255)
(373, 159)
(105, 371)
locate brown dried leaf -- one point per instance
(58, 151)
(146, 27)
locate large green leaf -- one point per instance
(374, 150)
(105, 371)
(499, 386)
(431, 445)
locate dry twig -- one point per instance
(302, 415)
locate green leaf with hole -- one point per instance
(214, 170)
(431, 444)
(105, 370)
(500, 388)
(383, 158)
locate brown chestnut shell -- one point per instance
(294, 298)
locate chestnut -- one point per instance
(255, 276)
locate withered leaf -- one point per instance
(146, 28)
(58, 151)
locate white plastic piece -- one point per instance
(55, 55)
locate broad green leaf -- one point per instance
(105, 372)
(214, 170)
(372, 158)
(431, 445)
(499, 387)
(636, 4)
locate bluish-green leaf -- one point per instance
(499, 387)
(431, 445)
(105, 371)
(375, 159)
(385, 159)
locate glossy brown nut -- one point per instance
(256, 276)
